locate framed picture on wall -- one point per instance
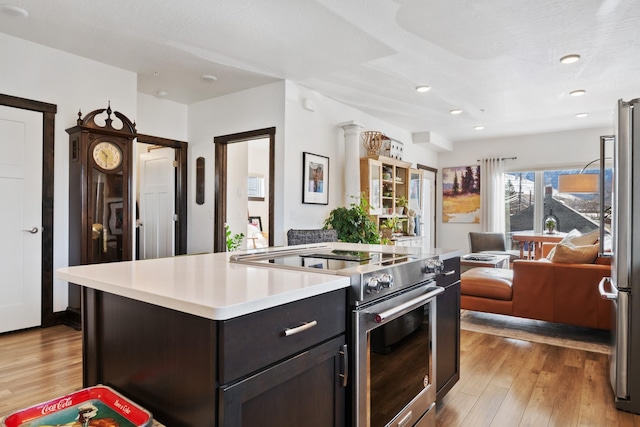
(256, 221)
(315, 179)
(461, 194)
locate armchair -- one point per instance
(491, 243)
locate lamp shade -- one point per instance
(578, 183)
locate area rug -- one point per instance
(587, 339)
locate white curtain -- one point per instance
(492, 209)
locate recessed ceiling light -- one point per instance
(581, 115)
(455, 111)
(208, 78)
(161, 93)
(570, 59)
(578, 92)
(479, 127)
(423, 88)
(9, 9)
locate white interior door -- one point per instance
(20, 218)
(157, 201)
(428, 223)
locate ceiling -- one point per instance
(497, 60)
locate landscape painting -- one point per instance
(461, 194)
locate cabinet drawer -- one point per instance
(251, 342)
(447, 278)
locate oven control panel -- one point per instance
(434, 266)
(375, 284)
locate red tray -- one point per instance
(103, 406)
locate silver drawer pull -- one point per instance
(449, 273)
(292, 331)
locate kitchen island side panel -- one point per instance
(160, 358)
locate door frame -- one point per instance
(220, 185)
(48, 318)
(435, 199)
(180, 147)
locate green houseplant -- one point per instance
(391, 225)
(401, 205)
(233, 241)
(353, 224)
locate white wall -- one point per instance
(298, 130)
(252, 109)
(72, 83)
(317, 132)
(534, 152)
(258, 163)
(161, 117)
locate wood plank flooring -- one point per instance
(507, 382)
(503, 382)
(38, 365)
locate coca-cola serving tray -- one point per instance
(98, 406)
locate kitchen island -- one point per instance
(199, 341)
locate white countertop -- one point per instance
(209, 286)
(204, 285)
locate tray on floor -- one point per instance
(98, 406)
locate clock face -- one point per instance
(107, 155)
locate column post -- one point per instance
(351, 162)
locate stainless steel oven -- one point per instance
(393, 359)
(391, 330)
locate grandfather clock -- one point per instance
(100, 171)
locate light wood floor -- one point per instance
(38, 365)
(504, 382)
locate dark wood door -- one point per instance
(304, 390)
(448, 329)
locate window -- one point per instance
(579, 211)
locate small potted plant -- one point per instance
(401, 204)
(391, 225)
(386, 228)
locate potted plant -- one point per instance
(354, 225)
(233, 241)
(391, 225)
(401, 204)
(386, 228)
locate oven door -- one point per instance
(393, 358)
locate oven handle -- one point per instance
(416, 302)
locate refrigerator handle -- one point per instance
(604, 294)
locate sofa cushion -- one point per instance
(494, 283)
(576, 248)
(572, 254)
(590, 238)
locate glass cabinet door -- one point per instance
(375, 187)
(415, 190)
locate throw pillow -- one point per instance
(590, 238)
(566, 239)
(573, 254)
(574, 238)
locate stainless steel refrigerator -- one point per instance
(623, 288)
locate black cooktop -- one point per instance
(332, 260)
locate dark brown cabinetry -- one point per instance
(285, 366)
(448, 328)
(266, 368)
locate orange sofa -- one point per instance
(544, 290)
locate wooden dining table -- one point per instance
(533, 242)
